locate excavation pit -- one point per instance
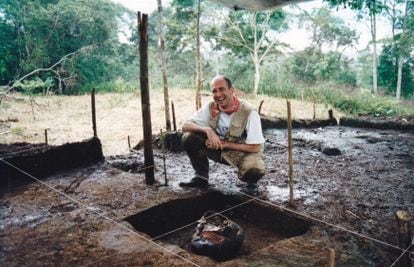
(174, 222)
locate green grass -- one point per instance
(348, 100)
(17, 131)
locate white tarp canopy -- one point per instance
(256, 4)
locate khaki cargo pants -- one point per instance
(250, 165)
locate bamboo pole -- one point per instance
(163, 157)
(95, 134)
(290, 157)
(331, 257)
(404, 236)
(145, 98)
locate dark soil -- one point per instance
(348, 197)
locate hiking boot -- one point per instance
(252, 175)
(251, 189)
(196, 182)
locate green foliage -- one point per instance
(43, 31)
(18, 131)
(243, 30)
(371, 6)
(326, 29)
(387, 72)
(311, 66)
(361, 102)
(35, 86)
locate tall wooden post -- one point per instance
(173, 115)
(145, 97)
(290, 157)
(95, 134)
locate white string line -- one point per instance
(405, 251)
(182, 227)
(217, 213)
(294, 212)
(99, 214)
(314, 219)
(320, 221)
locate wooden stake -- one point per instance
(31, 104)
(95, 134)
(145, 98)
(314, 110)
(46, 137)
(260, 107)
(330, 113)
(291, 198)
(129, 143)
(404, 236)
(173, 114)
(331, 257)
(163, 157)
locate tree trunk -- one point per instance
(198, 59)
(164, 69)
(256, 75)
(374, 53)
(401, 58)
(399, 78)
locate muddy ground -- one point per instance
(349, 182)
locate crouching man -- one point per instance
(226, 130)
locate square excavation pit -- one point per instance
(175, 222)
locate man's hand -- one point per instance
(213, 141)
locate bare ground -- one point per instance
(68, 118)
(348, 200)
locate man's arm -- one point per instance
(249, 148)
(213, 141)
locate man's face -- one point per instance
(222, 94)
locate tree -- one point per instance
(372, 8)
(47, 30)
(405, 43)
(252, 34)
(323, 60)
(388, 68)
(164, 68)
(199, 73)
(327, 30)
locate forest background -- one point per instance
(71, 46)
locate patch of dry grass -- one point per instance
(68, 118)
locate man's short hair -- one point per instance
(228, 81)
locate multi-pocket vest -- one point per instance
(237, 130)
